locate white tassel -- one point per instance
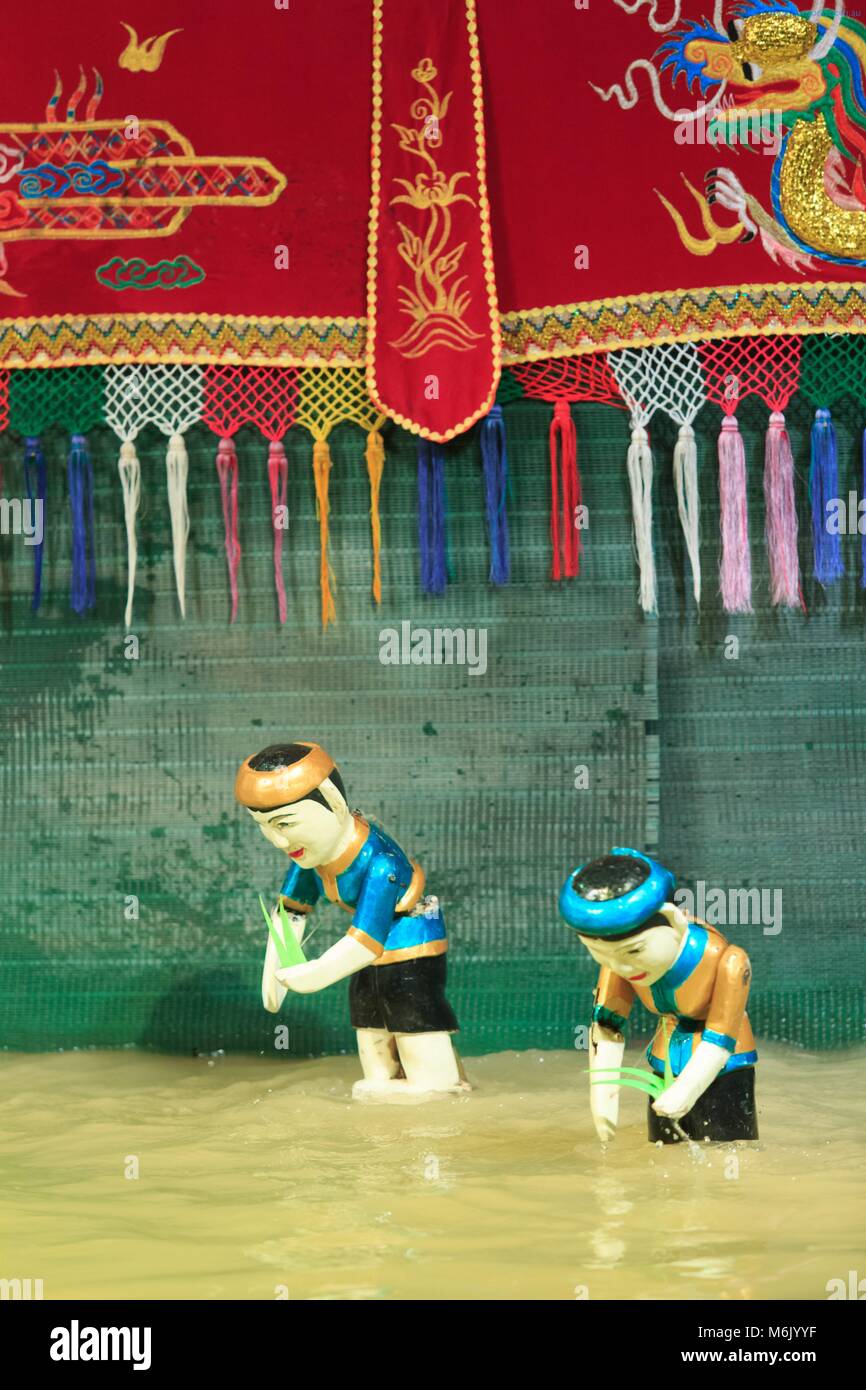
(129, 469)
(686, 484)
(177, 470)
(640, 473)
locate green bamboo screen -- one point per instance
(117, 774)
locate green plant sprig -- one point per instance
(288, 950)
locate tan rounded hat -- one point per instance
(263, 791)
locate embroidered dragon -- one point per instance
(801, 74)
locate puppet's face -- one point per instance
(308, 832)
(645, 956)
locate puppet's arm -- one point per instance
(613, 1000)
(344, 958)
(606, 1048)
(719, 1038)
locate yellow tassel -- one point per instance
(321, 472)
(375, 456)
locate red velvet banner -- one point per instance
(192, 183)
(433, 347)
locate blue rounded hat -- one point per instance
(599, 915)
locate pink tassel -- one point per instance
(278, 476)
(227, 471)
(781, 515)
(735, 571)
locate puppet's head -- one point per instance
(622, 908)
(296, 796)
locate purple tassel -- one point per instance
(35, 479)
(735, 571)
(80, 469)
(431, 517)
(781, 515)
(495, 463)
(824, 487)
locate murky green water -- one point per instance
(262, 1179)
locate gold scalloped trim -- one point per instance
(681, 316)
(484, 218)
(563, 330)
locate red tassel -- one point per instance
(563, 464)
(278, 477)
(227, 471)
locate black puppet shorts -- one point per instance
(724, 1113)
(406, 997)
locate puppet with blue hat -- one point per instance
(622, 907)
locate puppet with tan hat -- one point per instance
(394, 949)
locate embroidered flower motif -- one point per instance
(426, 71)
(432, 190)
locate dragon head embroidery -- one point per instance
(785, 81)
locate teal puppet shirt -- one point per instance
(381, 887)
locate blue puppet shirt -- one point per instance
(381, 887)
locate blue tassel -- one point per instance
(80, 469)
(494, 456)
(35, 479)
(823, 486)
(431, 517)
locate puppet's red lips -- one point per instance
(296, 853)
(642, 976)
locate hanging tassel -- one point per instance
(35, 481)
(863, 538)
(686, 485)
(563, 462)
(375, 456)
(278, 479)
(735, 571)
(177, 471)
(640, 474)
(129, 469)
(823, 487)
(781, 515)
(494, 458)
(321, 474)
(431, 517)
(227, 472)
(80, 472)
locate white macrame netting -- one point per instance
(667, 378)
(168, 395)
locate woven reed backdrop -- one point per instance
(117, 773)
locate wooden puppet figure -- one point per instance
(685, 971)
(394, 949)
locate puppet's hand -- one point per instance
(696, 1076)
(675, 1102)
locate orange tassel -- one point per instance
(321, 473)
(375, 456)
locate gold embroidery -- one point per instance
(435, 301)
(144, 55)
(811, 214)
(716, 235)
(494, 322)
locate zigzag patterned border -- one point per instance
(105, 338)
(678, 316)
(563, 330)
